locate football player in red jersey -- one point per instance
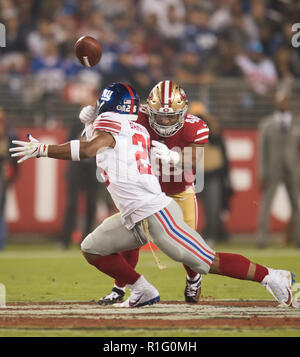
(170, 126)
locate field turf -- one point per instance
(37, 273)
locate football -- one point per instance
(88, 51)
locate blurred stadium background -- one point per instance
(206, 46)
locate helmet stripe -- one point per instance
(131, 96)
(170, 92)
(166, 94)
(163, 93)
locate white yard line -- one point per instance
(158, 311)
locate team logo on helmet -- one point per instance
(182, 93)
(119, 98)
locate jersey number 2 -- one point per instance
(143, 168)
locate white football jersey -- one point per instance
(126, 168)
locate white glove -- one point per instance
(29, 149)
(162, 152)
(87, 114)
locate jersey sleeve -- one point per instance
(142, 115)
(196, 130)
(108, 123)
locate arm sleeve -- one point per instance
(196, 131)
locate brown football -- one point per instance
(88, 51)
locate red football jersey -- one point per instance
(194, 130)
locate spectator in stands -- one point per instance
(261, 78)
(153, 38)
(223, 64)
(189, 71)
(173, 26)
(258, 70)
(168, 11)
(198, 34)
(279, 143)
(217, 189)
(286, 56)
(287, 63)
(235, 28)
(37, 39)
(15, 40)
(49, 68)
(255, 19)
(13, 56)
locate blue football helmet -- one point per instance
(119, 98)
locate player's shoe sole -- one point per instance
(128, 304)
(149, 302)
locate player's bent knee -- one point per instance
(86, 245)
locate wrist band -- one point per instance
(75, 147)
(43, 151)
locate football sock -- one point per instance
(131, 257)
(123, 288)
(116, 267)
(190, 273)
(260, 273)
(239, 267)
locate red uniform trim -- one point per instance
(170, 93)
(187, 234)
(180, 242)
(131, 96)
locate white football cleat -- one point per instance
(142, 293)
(279, 283)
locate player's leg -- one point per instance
(177, 240)
(101, 247)
(119, 288)
(187, 202)
(236, 266)
(189, 206)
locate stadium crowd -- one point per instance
(144, 41)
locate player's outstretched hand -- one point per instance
(87, 114)
(28, 149)
(162, 152)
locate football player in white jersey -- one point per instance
(121, 147)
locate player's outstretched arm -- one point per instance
(73, 150)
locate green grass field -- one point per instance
(44, 273)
